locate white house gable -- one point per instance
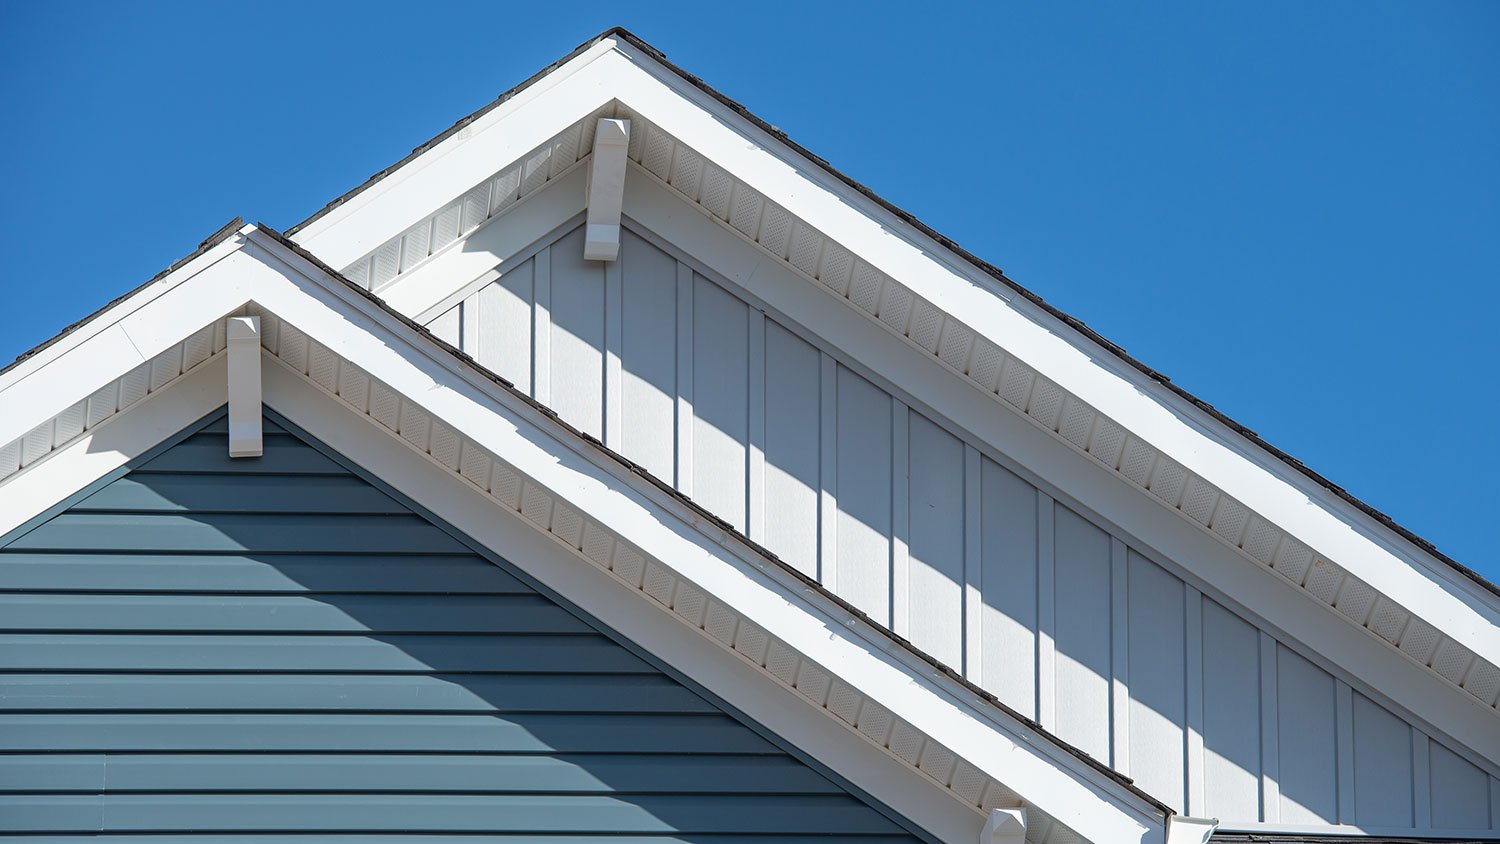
(1012, 562)
(720, 352)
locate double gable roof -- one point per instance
(999, 338)
(352, 336)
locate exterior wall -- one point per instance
(275, 646)
(932, 535)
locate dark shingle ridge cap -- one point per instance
(947, 243)
(702, 513)
(224, 233)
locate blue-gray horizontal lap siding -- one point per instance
(271, 649)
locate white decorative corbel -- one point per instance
(1005, 826)
(243, 336)
(601, 237)
(1182, 829)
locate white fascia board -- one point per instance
(488, 250)
(615, 70)
(1164, 533)
(502, 136)
(1041, 774)
(41, 386)
(264, 274)
(1367, 549)
(112, 444)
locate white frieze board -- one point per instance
(985, 365)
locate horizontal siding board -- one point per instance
(288, 613)
(209, 453)
(298, 693)
(353, 773)
(243, 573)
(238, 532)
(439, 813)
(212, 646)
(385, 654)
(196, 732)
(178, 493)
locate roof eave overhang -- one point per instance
(1170, 447)
(325, 331)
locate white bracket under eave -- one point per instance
(1004, 826)
(243, 336)
(601, 236)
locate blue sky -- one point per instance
(1291, 209)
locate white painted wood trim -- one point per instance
(1119, 687)
(1193, 675)
(900, 457)
(114, 441)
(684, 404)
(601, 238)
(1046, 612)
(599, 591)
(1421, 779)
(755, 477)
(1270, 756)
(828, 504)
(383, 370)
(541, 326)
(973, 615)
(1004, 826)
(1266, 596)
(614, 377)
(1343, 715)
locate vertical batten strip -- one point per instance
(901, 621)
(973, 568)
(1270, 758)
(755, 493)
(614, 336)
(468, 326)
(1046, 613)
(1193, 675)
(828, 422)
(541, 329)
(684, 417)
(1421, 779)
(1344, 723)
(1119, 654)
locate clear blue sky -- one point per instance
(1292, 209)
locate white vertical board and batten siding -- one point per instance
(931, 533)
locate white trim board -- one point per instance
(352, 348)
(757, 184)
(723, 252)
